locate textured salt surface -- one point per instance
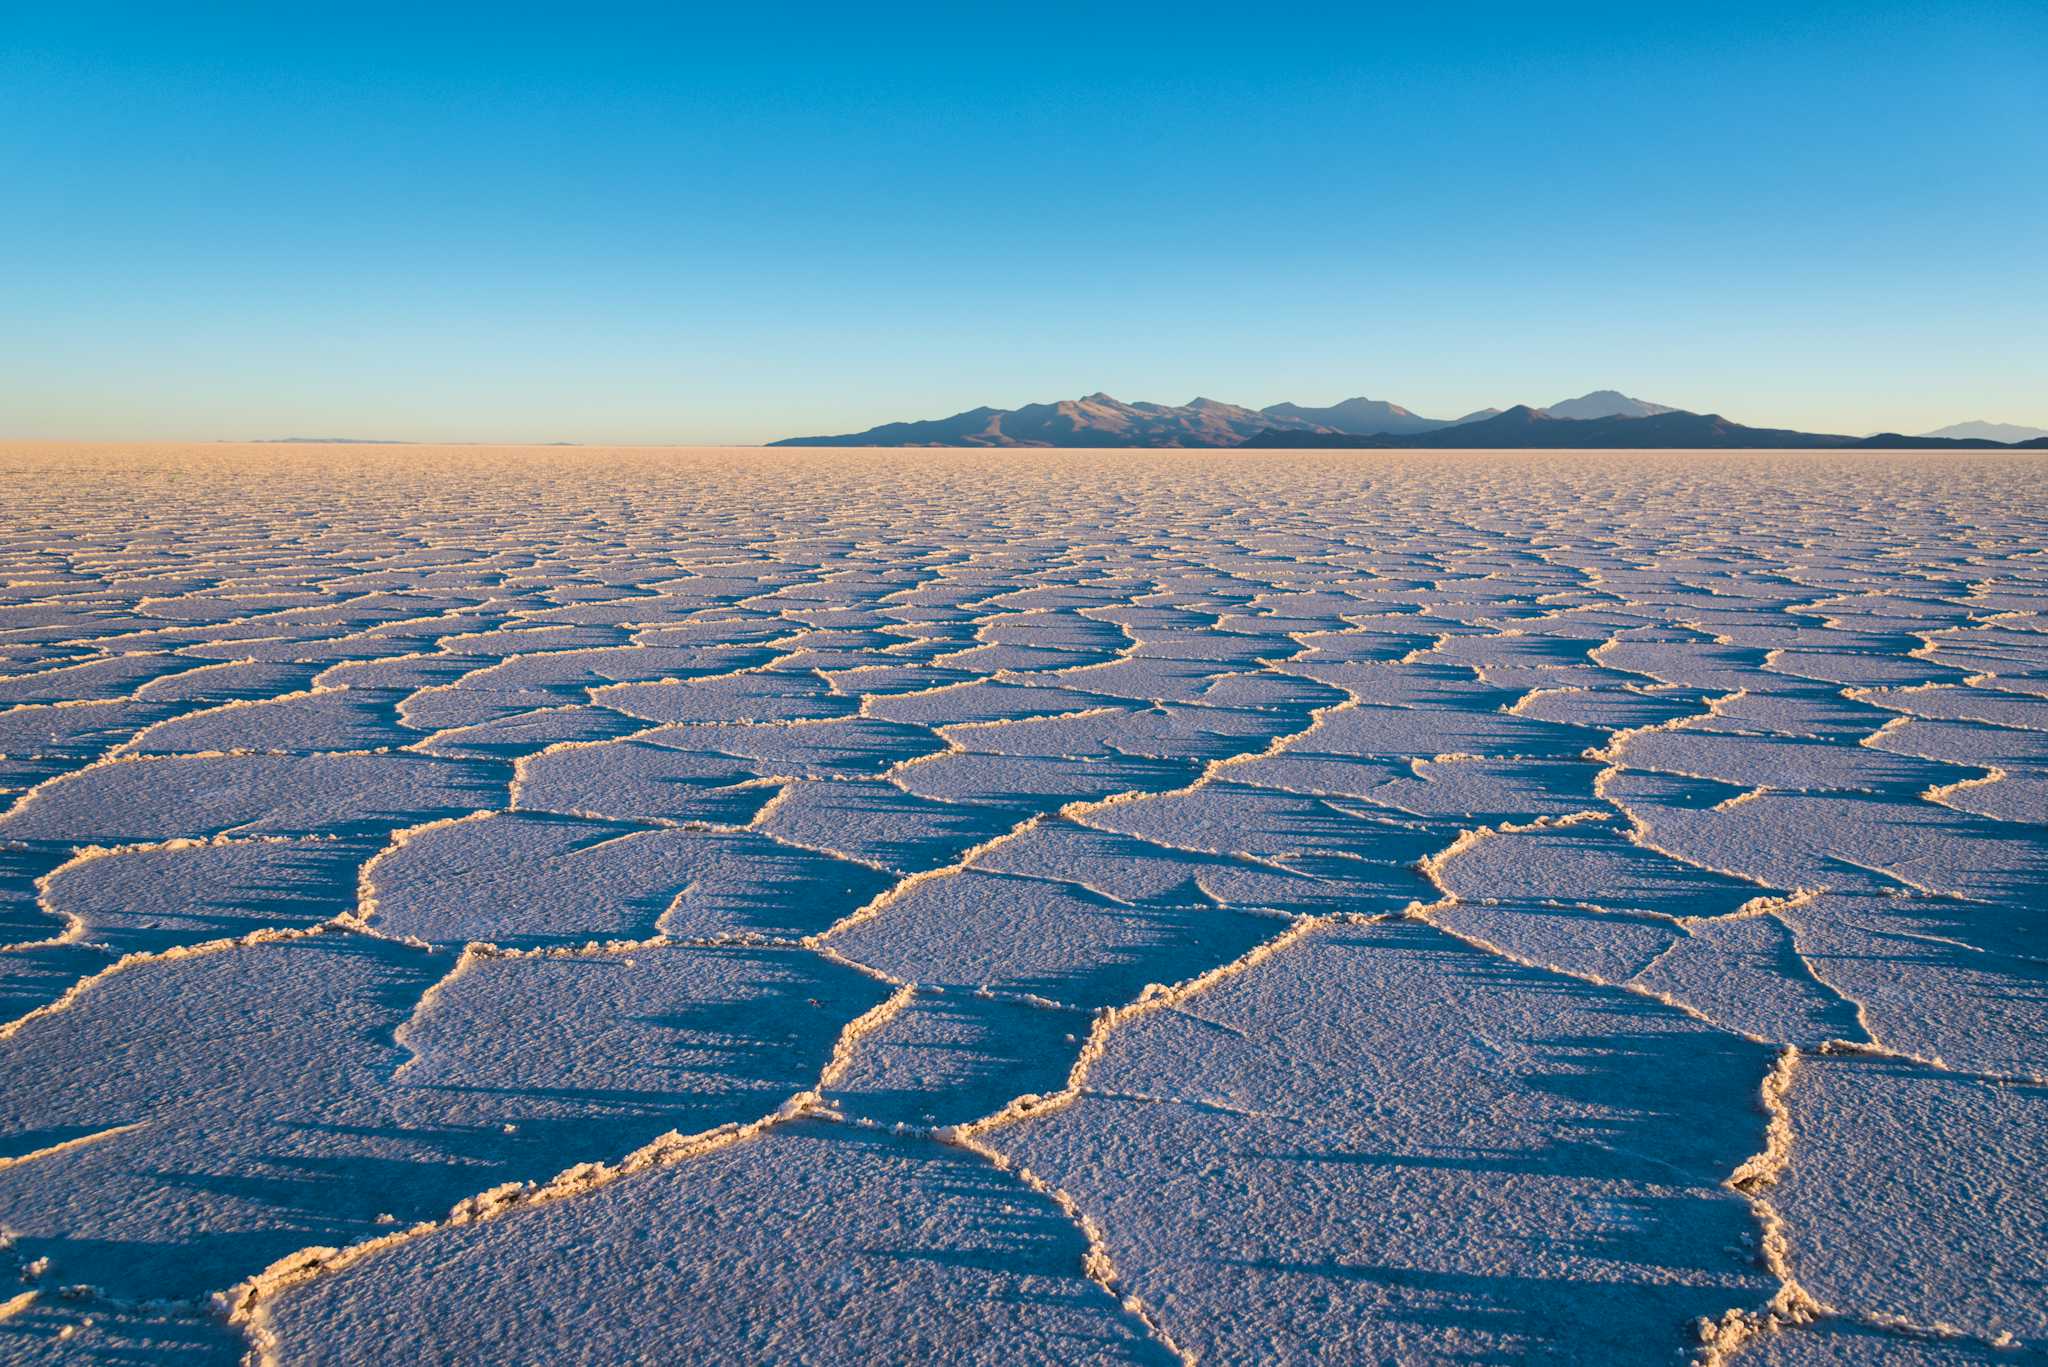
(841, 906)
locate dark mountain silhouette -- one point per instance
(1898, 441)
(1096, 420)
(1364, 417)
(1525, 427)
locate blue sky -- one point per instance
(654, 224)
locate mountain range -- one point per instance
(1093, 420)
(1671, 429)
(1604, 418)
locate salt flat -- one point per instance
(574, 905)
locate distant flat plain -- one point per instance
(574, 904)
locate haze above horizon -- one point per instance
(650, 226)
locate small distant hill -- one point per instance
(1979, 430)
(1606, 403)
(332, 441)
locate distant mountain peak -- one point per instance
(1359, 416)
(1977, 429)
(1607, 403)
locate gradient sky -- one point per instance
(603, 223)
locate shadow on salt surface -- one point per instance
(881, 824)
(847, 747)
(1787, 763)
(56, 1331)
(812, 1242)
(21, 918)
(340, 719)
(1915, 1192)
(632, 778)
(1025, 783)
(1474, 791)
(354, 800)
(1847, 841)
(1233, 818)
(254, 1136)
(1612, 946)
(152, 899)
(38, 741)
(1124, 868)
(769, 696)
(1593, 863)
(1611, 709)
(1844, 1343)
(1922, 983)
(196, 796)
(109, 676)
(2018, 931)
(1052, 940)
(501, 689)
(409, 674)
(528, 879)
(1746, 974)
(1273, 1161)
(155, 899)
(36, 975)
(985, 700)
(953, 1057)
(527, 733)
